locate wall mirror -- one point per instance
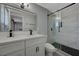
(22, 20)
(16, 19)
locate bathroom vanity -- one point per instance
(13, 20)
(23, 46)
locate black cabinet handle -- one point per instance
(37, 49)
(61, 23)
(51, 29)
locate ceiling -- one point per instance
(53, 6)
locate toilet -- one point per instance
(49, 49)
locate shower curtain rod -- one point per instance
(61, 9)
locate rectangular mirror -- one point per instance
(22, 20)
(16, 19)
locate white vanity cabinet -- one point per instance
(12, 48)
(35, 47)
(32, 46)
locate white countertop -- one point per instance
(5, 40)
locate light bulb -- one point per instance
(27, 5)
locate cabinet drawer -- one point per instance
(20, 52)
(36, 50)
(10, 47)
(34, 41)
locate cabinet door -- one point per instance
(17, 53)
(36, 50)
(31, 51)
(11, 47)
(40, 49)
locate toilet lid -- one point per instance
(49, 46)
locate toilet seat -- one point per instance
(50, 48)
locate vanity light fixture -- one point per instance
(23, 5)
